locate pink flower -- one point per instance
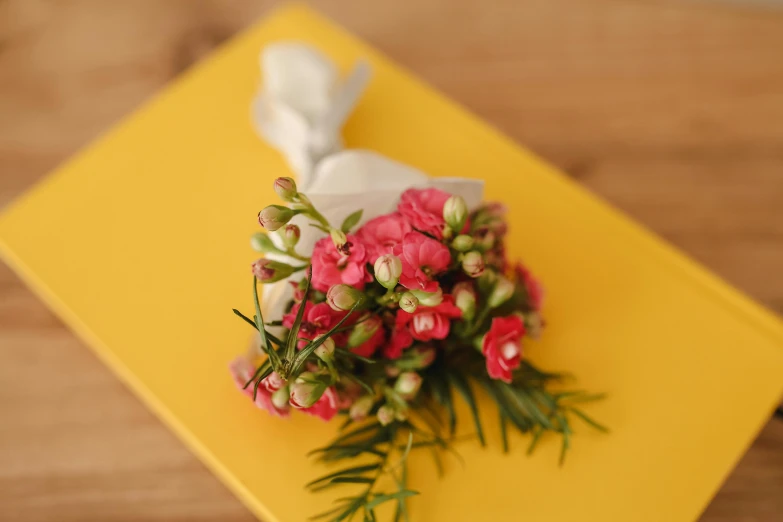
(347, 265)
(502, 346)
(382, 234)
(317, 320)
(423, 208)
(422, 258)
(326, 407)
(242, 370)
(533, 288)
(428, 323)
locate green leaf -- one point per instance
(356, 470)
(263, 376)
(537, 432)
(351, 448)
(351, 355)
(326, 514)
(351, 221)
(352, 480)
(290, 348)
(310, 348)
(360, 382)
(588, 420)
(503, 408)
(462, 386)
(399, 495)
(357, 431)
(566, 432)
(260, 327)
(526, 406)
(319, 227)
(247, 319)
(504, 431)
(442, 393)
(401, 511)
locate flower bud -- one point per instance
(486, 241)
(462, 243)
(325, 352)
(455, 213)
(465, 299)
(388, 269)
(409, 302)
(363, 331)
(429, 298)
(408, 384)
(338, 238)
(275, 216)
(473, 264)
(401, 414)
(502, 292)
(487, 281)
(291, 234)
(424, 355)
(534, 323)
(385, 415)
(268, 271)
(361, 408)
(392, 371)
(285, 188)
(280, 398)
(343, 297)
(261, 242)
(306, 390)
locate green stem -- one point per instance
(292, 253)
(482, 316)
(313, 213)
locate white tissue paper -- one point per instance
(300, 110)
(303, 103)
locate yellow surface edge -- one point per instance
(685, 269)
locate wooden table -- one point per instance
(671, 111)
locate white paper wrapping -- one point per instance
(300, 110)
(303, 103)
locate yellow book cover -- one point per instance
(140, 243)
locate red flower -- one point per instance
(332, 267)
(533, 288)
(423, 208)
(401, 338)
(326, 407)
(382, 234)
(317, 320)
(502, 346)
(428, 323)
(422, 258)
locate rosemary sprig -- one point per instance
(379, 441)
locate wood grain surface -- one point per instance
(672, 111)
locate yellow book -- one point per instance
(140, 243)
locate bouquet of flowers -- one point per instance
(388, 323)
